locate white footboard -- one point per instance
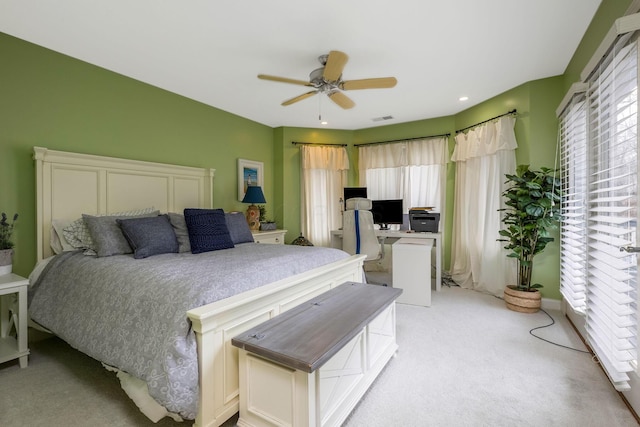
(215, 324)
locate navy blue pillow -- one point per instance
(238, 227)
(149, 236)
(207, 230)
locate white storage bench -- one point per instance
(311, 365)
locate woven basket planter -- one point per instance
(522, 301)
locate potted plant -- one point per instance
(6, 245)
(533, 208)
(265, 224)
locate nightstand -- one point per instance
(274, 237)
(13, 313)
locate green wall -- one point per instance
(288, 177)
(607, 13)
(51, 100)
(48, 99)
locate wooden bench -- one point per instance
(311, 365)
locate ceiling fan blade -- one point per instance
(299, 97)
(341, 99)
(284, 80)
(334, 66)
(377, 83)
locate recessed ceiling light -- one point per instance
(463, 98)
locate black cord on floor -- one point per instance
(551, 342)
(553, 322)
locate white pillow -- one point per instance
(59, 243)
(54, 242)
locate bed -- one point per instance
(72, 184)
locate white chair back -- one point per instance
(358, 234)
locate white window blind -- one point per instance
(573, 234)
(611, 309)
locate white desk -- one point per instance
(389, 236)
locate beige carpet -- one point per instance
(464, 361)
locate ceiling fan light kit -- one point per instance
(328, 80)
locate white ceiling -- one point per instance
(212, 50)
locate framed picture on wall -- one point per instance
(249, 173)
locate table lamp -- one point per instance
(253, 195)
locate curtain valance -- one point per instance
(422, 152)
(324, 157)
(486, 140)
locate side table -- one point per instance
(13, 314)
(273, 237)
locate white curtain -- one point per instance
(324, 174)
(483, 156)
(414, 171)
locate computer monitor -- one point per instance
(387, 212)
(351, 192)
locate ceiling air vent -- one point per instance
(380, 119)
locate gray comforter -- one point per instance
(131, 314)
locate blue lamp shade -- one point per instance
(254, 194)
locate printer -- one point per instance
(424, 220)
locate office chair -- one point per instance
(358, 234)
(359, 237)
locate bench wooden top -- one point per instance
(308, 335)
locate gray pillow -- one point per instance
(107, 235)
(149, 236)
(180, 229)
(78, 236)
(238, 227)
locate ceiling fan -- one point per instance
(328, 80)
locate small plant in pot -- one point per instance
(533, 208)
(6, 245)
(265, 224)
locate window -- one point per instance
(324, 174)
(414, 171)
(611, 224)
(573, 235)
(600, 180)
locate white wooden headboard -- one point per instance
(70, 184)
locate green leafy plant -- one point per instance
(263, 213)
(533, 208)
(6, 230)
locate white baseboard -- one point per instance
(551, 304)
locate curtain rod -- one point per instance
(313, 143)
(514, 111)
(401, 140)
